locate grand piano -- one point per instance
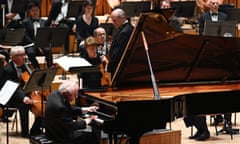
(194, 75)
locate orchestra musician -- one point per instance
(57, 18)
(59, 123)
(15, 12)
(200, 121)
(31, 24)
(86, 23)
(204, 4)
(101, 37)
(92, 79)
(13, 71)
(212, 15)
(121, 39)
(174, 21)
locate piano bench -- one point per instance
(41, 139)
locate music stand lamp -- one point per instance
(40, 80)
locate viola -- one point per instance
(106, 76)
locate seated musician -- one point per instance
(57, 18)
(211, 15)
(174, 21)
(101, 37)
(102, 45)
(200, 121)
(15, 12)
(14, 71)
(92, 79)
(31, 24)
(86, 23)
(59, 123)
(220, 16)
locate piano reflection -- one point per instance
(190, 71)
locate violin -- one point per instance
(39, 98)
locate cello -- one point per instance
(39, 98)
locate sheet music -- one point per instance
(7, 91)
(67, 62)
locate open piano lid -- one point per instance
(176, 58)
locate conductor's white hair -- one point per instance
(16, 50)
(120, 12)
(68, 86)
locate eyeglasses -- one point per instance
(214, 3)
(101, 34)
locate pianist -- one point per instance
(60, 124)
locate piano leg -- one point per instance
(134, 140)
(112, 138)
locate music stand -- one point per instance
(11, 36)
(184, 8)
(75, 8)
(83, 69)
(133, 9)
(51, 37)
(40, 79)
(221, 29)
(6, 93)
(233, 14)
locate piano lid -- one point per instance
(176, 58)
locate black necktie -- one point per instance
(35, 20)
(214, 14)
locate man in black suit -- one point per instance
(200, 121)
(60, 123)
(15, 12)
(31, 24)
(57, 18)
(120, 40)
(174, 21)
(13, 71)
(212, 15)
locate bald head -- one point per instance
(118, 17)
(100, 35)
